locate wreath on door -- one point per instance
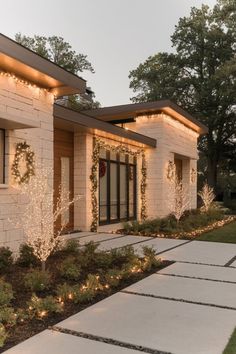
(23, 151)
(102, 169)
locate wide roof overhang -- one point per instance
(68, 119)
(24, 63)
(126, 113)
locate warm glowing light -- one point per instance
(21, 81)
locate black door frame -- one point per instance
(108, 160)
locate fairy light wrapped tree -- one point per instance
(179, 198)
(207, 195)
(38, 217)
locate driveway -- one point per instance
(188, 307)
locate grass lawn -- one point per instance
(226, 234)
(231, 346)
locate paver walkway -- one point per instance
(186, 308)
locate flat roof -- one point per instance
(68, 119)
(126, 112)
(23, 62)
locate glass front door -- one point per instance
(117, 188)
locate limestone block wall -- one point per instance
(83, 148)
(173, 139)
(37, 105)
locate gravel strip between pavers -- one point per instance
(107, 340)
(197, 278)
(178, 300)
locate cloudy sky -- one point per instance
(117, 35)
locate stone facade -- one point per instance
(21, 101)
(173, 139)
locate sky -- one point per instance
(116, 35)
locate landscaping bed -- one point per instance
(191, 225)
(31, 300)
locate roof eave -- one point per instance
(32, 67)
(75, 117)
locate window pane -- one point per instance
(113, 191)
(1, 156)
(123, 192)
(131, 190)
(103, 190)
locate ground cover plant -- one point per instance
(191, 224)
(226, 234)
(231, 346)
(32, 299)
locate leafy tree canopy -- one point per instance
(57, 50)
(60, 52)
(200, 76)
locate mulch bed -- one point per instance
(29, 328)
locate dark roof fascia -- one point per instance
(91, 122)
(123, 111)
(26, 56)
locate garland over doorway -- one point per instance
(98, 145)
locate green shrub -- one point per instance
(103, 260)
(71, 246)
(82, 294)
(6, 259)
(69, 269)
(7, 316)
(191, 220)
(37, 280)
(215, 214)
(41, 307)
(65, 292)
(93, 283)
(26, 256)
(6, 293)
(88, 254)
(113, 277)
(22, 315)
(3, 335)
(150, 259)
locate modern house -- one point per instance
(119, 159)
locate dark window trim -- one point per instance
(4, 156)
(108, 161)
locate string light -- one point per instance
(191, 234)
(22, 81)
(38, 218)
(122, 149)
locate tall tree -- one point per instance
(60, 52)
(200, 77)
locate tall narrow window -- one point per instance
(2, 153)
(117, 187)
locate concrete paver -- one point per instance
(121, 242)
(98, 238)
(201, 271)
(202, 252)
(202, 291)
(59, 343)
(171, 326)
(159, 244)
